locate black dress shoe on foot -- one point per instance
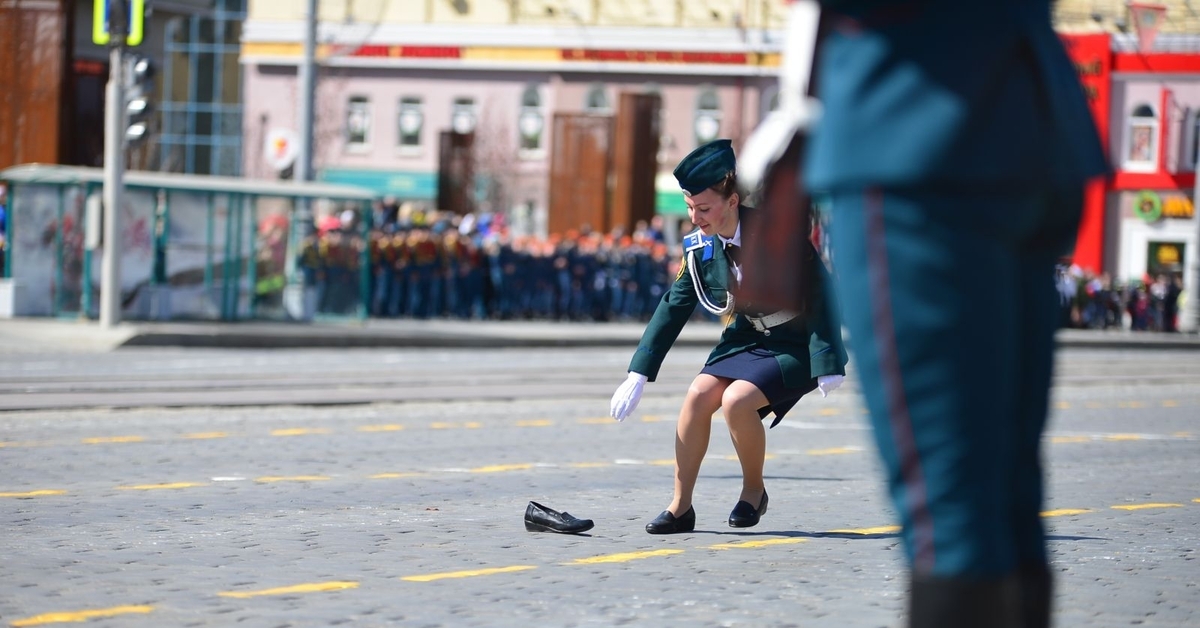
(667, 523)
(539, 518)
(746, 516)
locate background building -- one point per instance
(393, 76)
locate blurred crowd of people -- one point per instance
(1091, 301)
(428, 264)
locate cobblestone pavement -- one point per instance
(407, 511)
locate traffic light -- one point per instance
(139, 87)
(118, 17)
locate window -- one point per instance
(1141, 140)
(531, 122)
(462, 115)
(409, 122)
(358, 122)
(708, 114)
(597, 100)
(1194, 160)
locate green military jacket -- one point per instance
(806, 347)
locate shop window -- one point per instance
(532, 123)
(462, 115)
(1141, 140)
(410, 120)
(597, 100)
(358, 122)
(708, 114)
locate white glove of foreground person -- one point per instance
(628, 394)
(829, 383)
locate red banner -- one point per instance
(1092, 55)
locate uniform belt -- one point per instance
(765, 323)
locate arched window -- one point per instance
(409, 122)
(597, 100)
(462, 115)
(708, 114)
(358, 122)
(1141, 140)
(531, 122)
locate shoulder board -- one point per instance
(696, 240)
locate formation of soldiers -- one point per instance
(443, 267)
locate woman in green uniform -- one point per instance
(764, 362)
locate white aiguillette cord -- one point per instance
(797, 110)
(709, 304)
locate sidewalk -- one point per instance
(28, 335)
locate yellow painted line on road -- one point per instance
(1182, 435)
(313, 587)
(501, 468)
(267, 479)
(1197, 500)
(598, 421)
(830, 411)
(103, 440)
(40, 493)
(472, 425)
(755, 544)
(1063, 405)
(535, 423)
(442, 426)
(875, 530)
(654, 419)
(392, 476)
(624, 557)
(79, 616)
(1058, 440)
(155, 487)
(589, 465)
(1065, 512)
(1170, 403)
(300, 431)
(832, 451)
(206, 435)
(1146, 506)
(381, 428)
(1123, 437)
(664, 462)
(470, 573)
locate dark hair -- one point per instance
(726, 186)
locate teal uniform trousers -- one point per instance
(954, 149)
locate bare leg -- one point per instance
(691, 436)
(740, 403)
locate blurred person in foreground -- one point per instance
(954, 145)
(764, 362)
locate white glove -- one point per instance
(829, 383)
(628, 394)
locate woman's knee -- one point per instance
(705, 392)
(741, 400)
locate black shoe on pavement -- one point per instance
(539, 518)
(746, 516)
(667, 523)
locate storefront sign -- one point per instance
(1148, 206)
(1178, 207)
(1151, 206)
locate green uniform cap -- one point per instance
(705, 166)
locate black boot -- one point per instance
(964, 603)
(1037, 593)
